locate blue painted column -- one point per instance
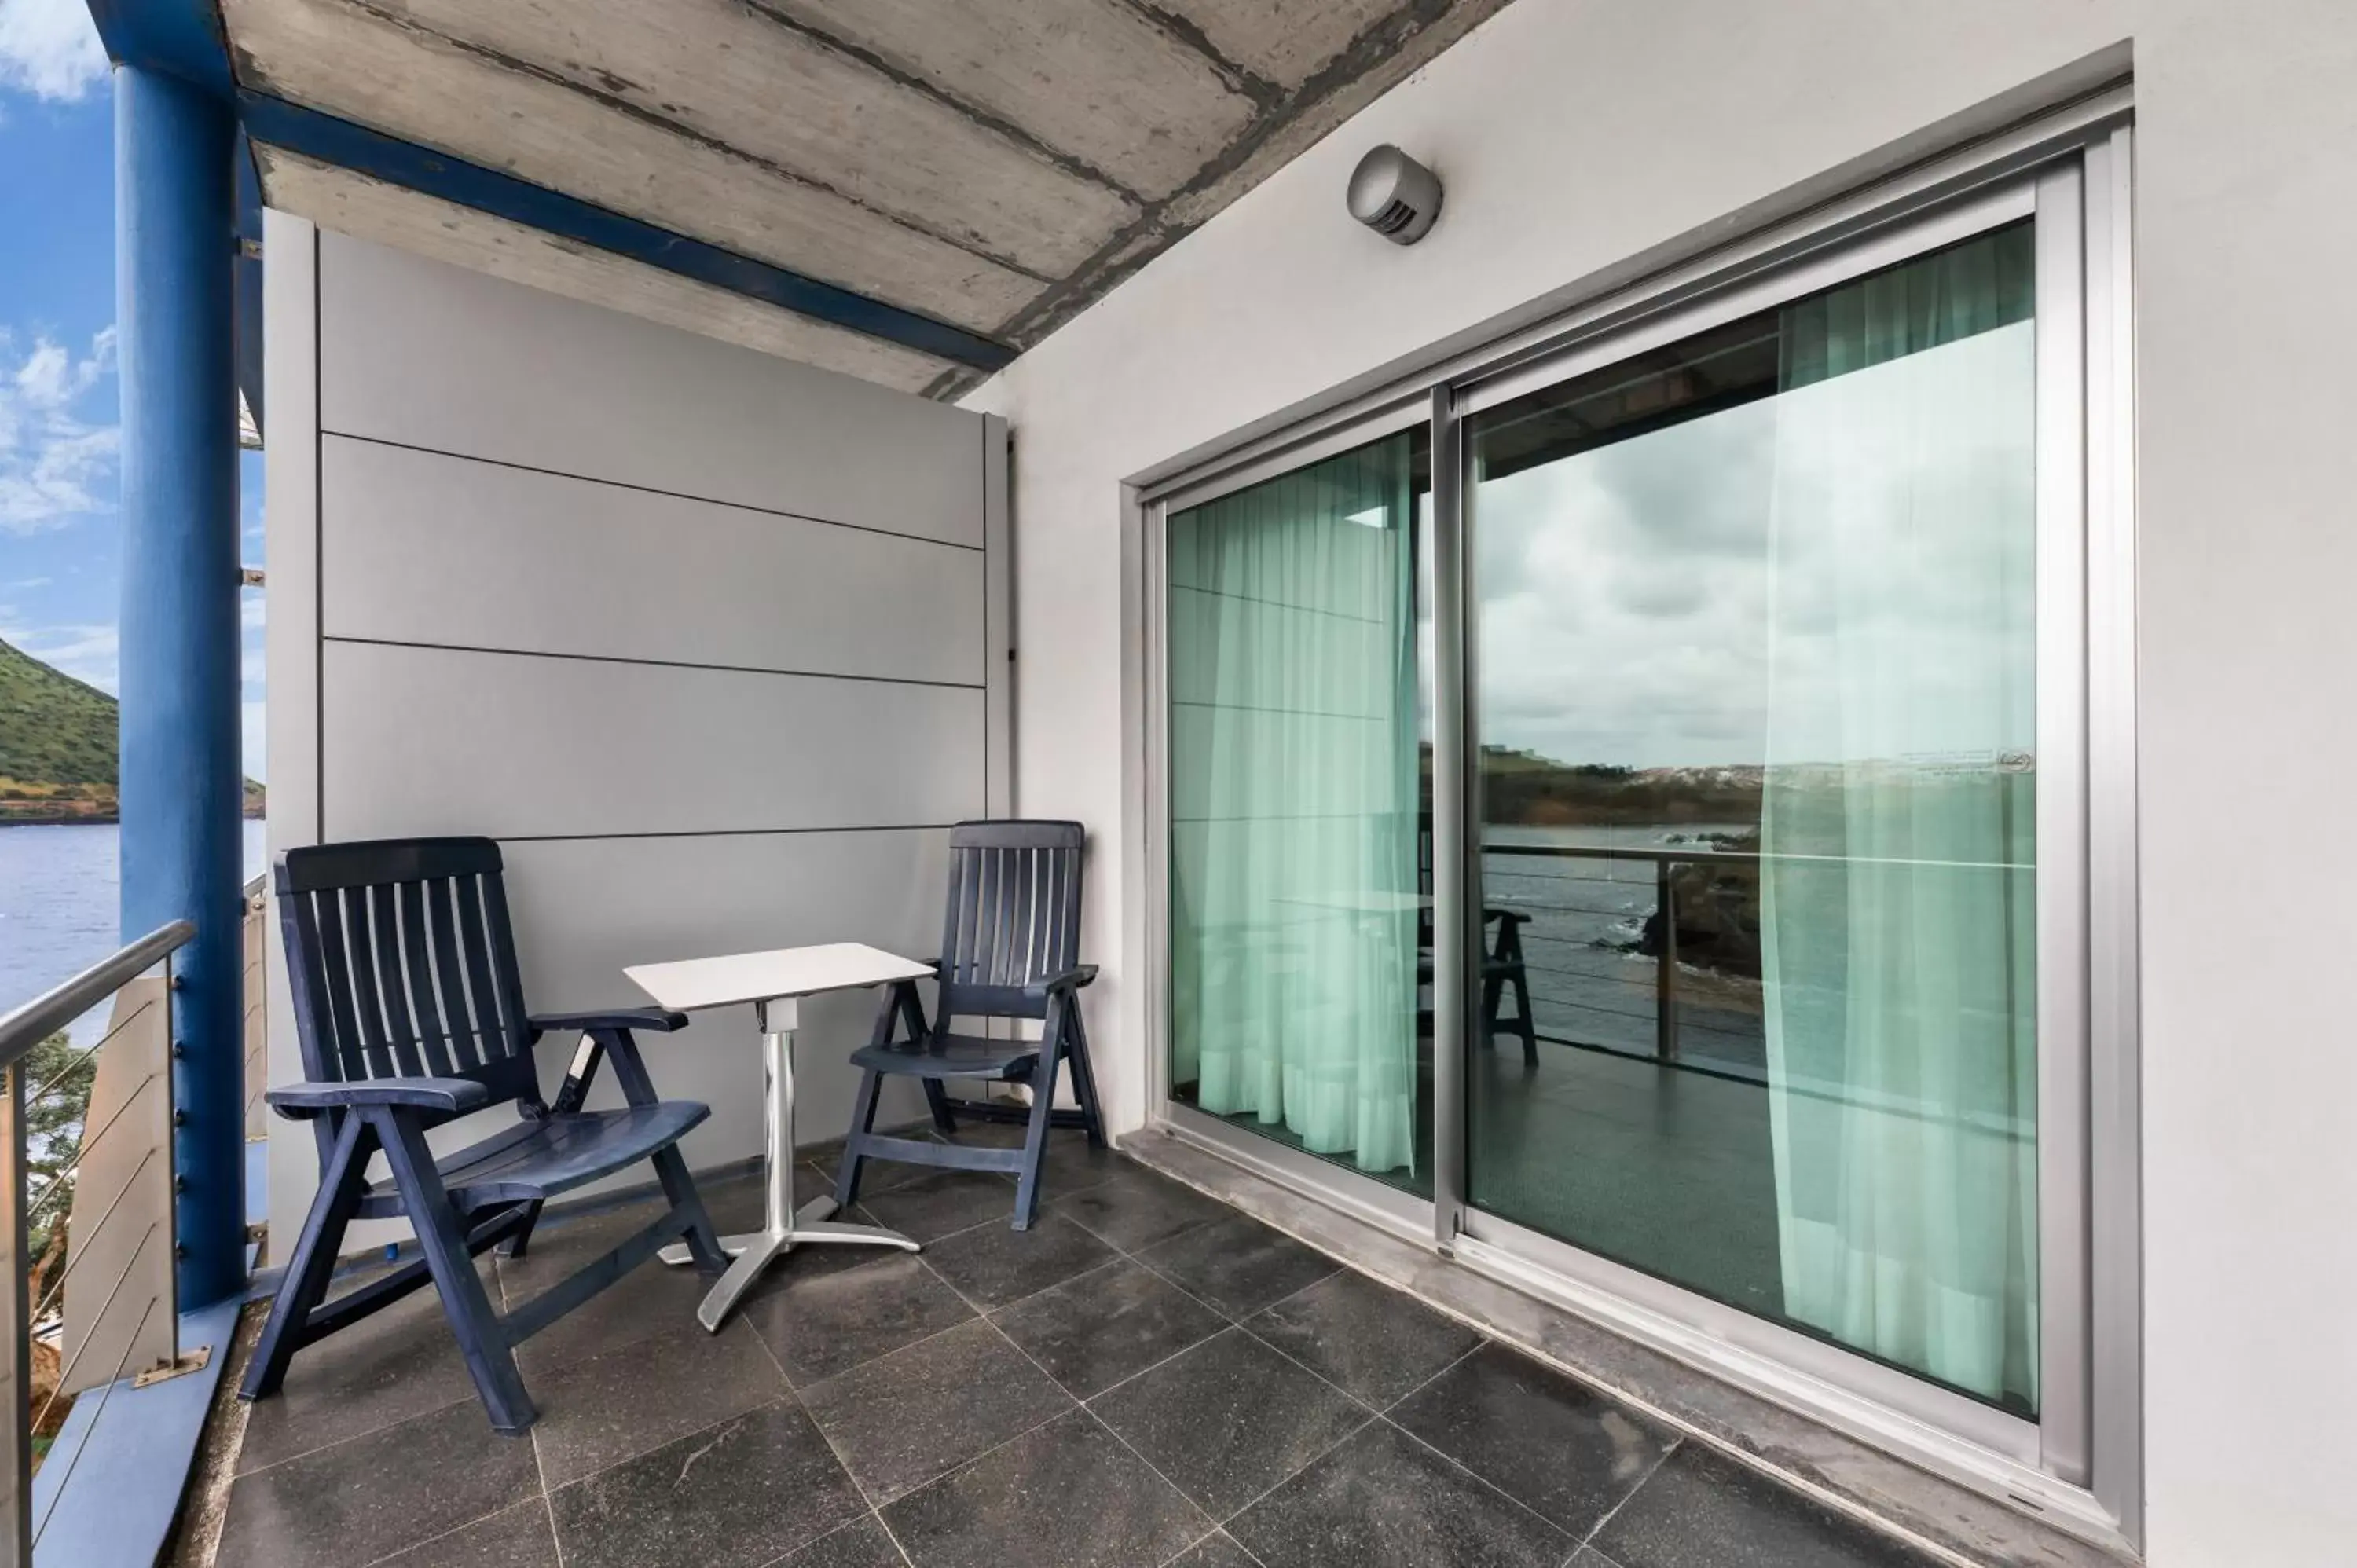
(182, 774)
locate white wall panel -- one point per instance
(421, 547)
(562, 580)
(431, 355)
(431, 740)
(584, 908)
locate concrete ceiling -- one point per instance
(993, 164)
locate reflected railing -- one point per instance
(1650, 953)
(86, 1216)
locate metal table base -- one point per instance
(783, 1227)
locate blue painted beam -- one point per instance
(177, 37)
(181, 784)
(184, 39)
(389, 158)
(111, 1485)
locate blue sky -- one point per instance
(60, 536)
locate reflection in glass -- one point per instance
(1756, 713)
(1297, 898)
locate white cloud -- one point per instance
(48, 48)
(254, 741)
(87, 653)
(53, 461)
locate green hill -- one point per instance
(57, 746)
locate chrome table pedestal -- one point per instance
(774, 982)
(783, 1227)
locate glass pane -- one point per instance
(1299, 895)
(1755, 721)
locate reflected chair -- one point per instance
(410, 1012)
(1502, 965)
(1010, 938)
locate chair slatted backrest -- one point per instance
(403, 963)
(1014, 915)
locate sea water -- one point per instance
(59, 892)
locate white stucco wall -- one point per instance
(1574, 134)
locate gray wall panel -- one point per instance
(429, 740)
(573, 574)
(421, 547)
(431, 355)
(584, 909)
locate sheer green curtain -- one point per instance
(1898, 895)
(1292, 779)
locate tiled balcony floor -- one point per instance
(1145, 1377)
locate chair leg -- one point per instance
(863, 1122)
(1524, 1024)
(937, 1099)
(1084, 1077)
(442, 1237)
(1493, 991)
(1035, 1144)
(1043, 1113)
(679, 1190)
(314, 1262)
(513, 1247)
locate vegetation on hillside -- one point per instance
(57, 747)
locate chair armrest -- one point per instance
(661, 1020)
(1071, 979)
(442, 1096)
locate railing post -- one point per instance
(15, 1330)
(1665, 967)
(181, 781)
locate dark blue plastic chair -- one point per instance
(410, 1011)
(1009, 945)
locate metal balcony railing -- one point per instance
(1607, 964)
(86, 1211)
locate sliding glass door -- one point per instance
(1300, 898)
(1755, 617)
(1652, 811)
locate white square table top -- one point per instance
(690, 983)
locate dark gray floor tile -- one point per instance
(1110, 1324)
(1703, 1507)
(993, 1265)
(1229, 1419)
(1071, 1166)
(1067, 1493)
(862, 1543)
(1217, 1550)
(903, 1420)
(1557, 1446)
(1384, 1500)
(880, 1176)
(1377, 1342)
(1133, 1207)
(518, 1538)
(650, 1299)
(399, 1363)
(599, 1411)
(820, 1320)
(1238, 1264)
(743, 1493)
(940, 1202)
(377, 1494)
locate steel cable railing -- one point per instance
(86, 1291)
